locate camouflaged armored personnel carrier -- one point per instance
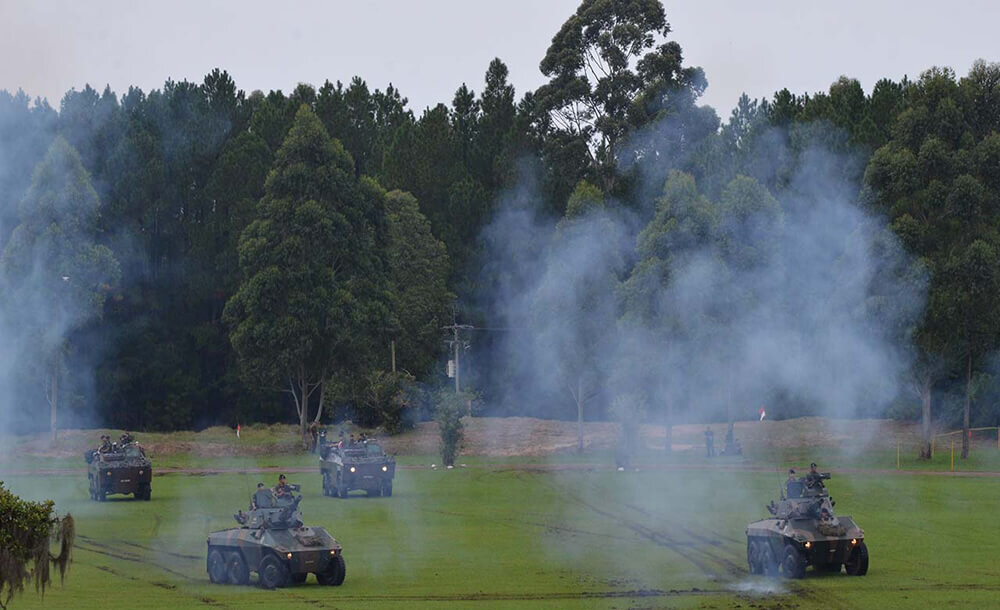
(804, 531)
(273, 542)
(361, 465)
(119, 468)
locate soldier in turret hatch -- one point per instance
(105, 444)
(813, 478)
(284, 489)
(793, 487)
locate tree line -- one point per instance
(196, 255)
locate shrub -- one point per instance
(26, 528)
(449, 411)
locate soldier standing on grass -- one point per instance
(709, 442)
(314, 433)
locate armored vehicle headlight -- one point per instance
(140, 472)
(333, 551)
(385, 469)
(808, 544)
(353, 469)
(854, 540)
(109, 473)
(288, 555)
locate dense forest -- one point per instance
(196, 255)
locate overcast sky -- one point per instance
(428, 48)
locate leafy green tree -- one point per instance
(424, 161)
(971, 287)
(270, 119)
(575, 302)
(306, 303)
(26, 131)
(364, 121)
(383, 400)
(684, 226)
(611, 69)
(56, 271)
(684, 223)
(939, 188)
(495, 137)
(418, 274)
(27, 530)
(93, 124)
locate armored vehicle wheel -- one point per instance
(102, 496)
(768, 564)
(387, 488)
(793, 564)
(753, 557)
(217, 567)
(272, 573)
(299, 578)
(236, 569)
(857, 563)
(334, 575)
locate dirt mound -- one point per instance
(488, 436)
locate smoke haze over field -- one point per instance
(803, 301)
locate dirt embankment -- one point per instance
(488, 436)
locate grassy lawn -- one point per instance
(512, 538)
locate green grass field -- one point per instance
(496, 535)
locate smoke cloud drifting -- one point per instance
(711, 310)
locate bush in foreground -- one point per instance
(26, 529)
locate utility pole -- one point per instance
(455, 342)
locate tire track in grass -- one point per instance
(694, 553)
(560, 596)
(161, 551)
(208, 601)
(89, 544)
(522, 521)
(705, 543)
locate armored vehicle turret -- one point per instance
(803, 531)
(359, 465)
(119, 468)
(273, 542)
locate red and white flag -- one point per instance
(237, 430)
(763, 413)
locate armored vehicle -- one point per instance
(272, 542)
(802, 532)
(119, 469)
(361, 465)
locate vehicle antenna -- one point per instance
(243, 458)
